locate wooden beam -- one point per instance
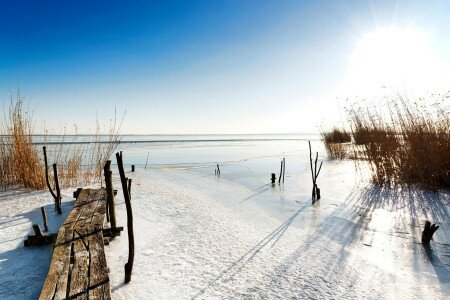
(126, 187)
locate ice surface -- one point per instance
(199, 236)
(200, 242)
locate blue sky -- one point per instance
(207, 66)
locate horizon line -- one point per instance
(165, 134)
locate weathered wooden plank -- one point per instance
(54, 287)
(99, 217)
(79, 279)
(89, 203)
(101, 292)
(98, 270)
(78, 208)
(84, 196)
(88, 276)
(59, 266)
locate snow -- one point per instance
(23, 270)
(203, 243)
(199, 236)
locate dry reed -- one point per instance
(409, 145)
(20, 162)
(79, 161)
(336, 143)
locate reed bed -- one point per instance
(336, 143)
(79, 160)
(20, 162)
(407, 143)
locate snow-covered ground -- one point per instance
(359, 242)
(199, 236)
(23, 270)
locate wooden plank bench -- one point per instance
(78, 269)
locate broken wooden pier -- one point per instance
(78, 268)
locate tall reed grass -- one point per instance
(336, 143)
(407, 143)
(20, 162)
(79, 161)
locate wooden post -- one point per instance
(44, 217)
(39, 239)
(314, 174)
(428, 231)
(281, 172)
(218, 169)
(147, 160)
(58, 192)
(107, 211)
(273, 178)
(126, 189)
(110, 194)
(129, 187)
(37, 230)
(132, 168)
(284, 167)
(77, 192)
(315, 181)
(55, 198)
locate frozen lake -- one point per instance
(202, 236)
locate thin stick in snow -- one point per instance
(44, 217)
(146, 160)
(314, 174)
(281, 172)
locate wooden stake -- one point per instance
(315, 167)
(132, 168)
(273, 178)
(39, 238)
(129, 187)
(312, 172)
(44, 217)
(55, 197)
(218, 169)
(37, 230)
(320, 168)
(107, 211)
(58, 192)
(284, 167)
(110, 194)
(126, 194)
(281, 172)
(146, 160)
(428, 231)
(77, 192)
(108, 232)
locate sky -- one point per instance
(204, 67)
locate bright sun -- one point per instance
(391, 57)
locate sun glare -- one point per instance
(391, 57)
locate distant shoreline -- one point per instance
(176, 134)
(172, 138)
(171, 141)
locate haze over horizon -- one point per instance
(214, 67)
